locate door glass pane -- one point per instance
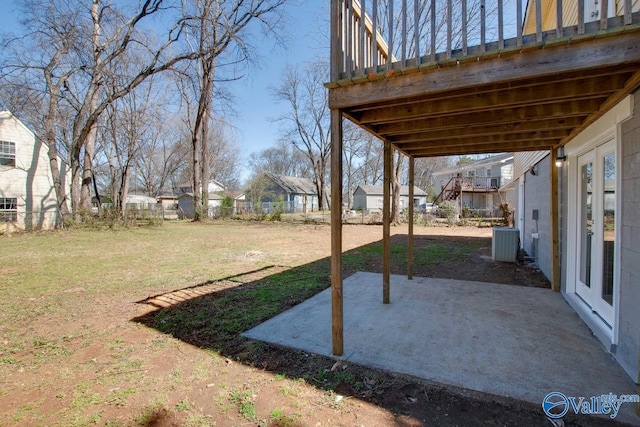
(609, 216)
(586, 223)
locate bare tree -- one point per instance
(424, 170)
(162, 159)
(129, 124)
(306, 124)
(283, 159)
(216, 35)
(371, 167)
(223, 155)
(38, 68)
(100, 33)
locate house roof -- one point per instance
(377, 190)
(188, 184)
(212, 196)
(6, 114)
(488, 161)
(292, 184)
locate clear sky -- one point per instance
(254, 101)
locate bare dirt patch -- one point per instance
(153, 338)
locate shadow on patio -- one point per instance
(215, 314)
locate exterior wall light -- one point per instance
(561, 158)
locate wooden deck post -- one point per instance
(337, 335)
(386, 221)
(411, 208)
(555, 255)
(336, 233)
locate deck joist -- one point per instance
(519, 100)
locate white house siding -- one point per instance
(628, 350)
(523, 161)
(506, 173)
(30, 180)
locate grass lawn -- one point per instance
(82, 344)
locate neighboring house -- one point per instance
(592, 12)
(186, 209)
(479, 182)
(27, 196)
(239, 202)
(185, 198)
(369, 197)
(289, 193)
(169, 204)
(139, 201)
(213, 187)
(168, 201)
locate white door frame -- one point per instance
(607, 334)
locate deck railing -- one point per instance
(379, 36)
(471, 183)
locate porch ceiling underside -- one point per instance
(524, 101)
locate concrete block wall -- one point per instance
(628, 350)
(537, 196)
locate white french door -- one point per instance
(596, 222)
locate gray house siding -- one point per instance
(370, 198)
(628, 351)
(536, 189)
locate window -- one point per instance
(7, 153)
(8, 209)
(379, 201)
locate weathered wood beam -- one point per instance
(411, 209)
(493, 147)
(498, 138)
(478, 131)
(386, 222)
(337, 334)
(549, 93)
(458, 151)
(500, 116)
(628, 70)
(590, 53)
(630, 85)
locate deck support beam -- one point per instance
(337, 333)
(555, 254)
(386, 222)
(411, 208)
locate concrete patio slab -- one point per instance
(512, 341)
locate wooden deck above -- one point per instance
(534, 93)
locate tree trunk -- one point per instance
(50, 138)
(197, 181)
(75, 183)
(123, 192)
(87, 172)
(90, 140)
(395, 189)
